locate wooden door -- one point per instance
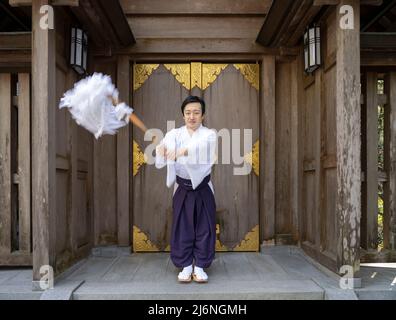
(232, 98)
(15, 175)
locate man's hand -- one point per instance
(161, 150)
(182, 152)
(171, 155)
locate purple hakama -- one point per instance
(194, 226)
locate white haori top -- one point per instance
(201, 146)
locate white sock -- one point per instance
(198, 269)
(187, 269)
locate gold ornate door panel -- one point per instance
(231, 95)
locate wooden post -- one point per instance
(391, 94)
(123, 161)
(24, 162)
(348, 207)
(5, 163)
(43, 143)
(267, 149)
(294, 147)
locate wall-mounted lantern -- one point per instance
(312, 52)
(79, 50)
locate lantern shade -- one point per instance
(312, 52)
(78, 50)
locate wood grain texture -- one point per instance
(5, 163)
(188, 7)
(267, 152)
(123, 159)
(43, 144)
(348, 142)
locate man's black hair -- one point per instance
(192, 99)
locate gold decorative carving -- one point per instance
(251, 241)
(196, 74)
(253, 158)
(181, 73)
(251, 72)
(219, 245)
(210, 72)
(139, 158)
(141, 73)
(141, 242)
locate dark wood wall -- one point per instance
(74, 165)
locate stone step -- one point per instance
(214, 290)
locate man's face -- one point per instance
(193, 115)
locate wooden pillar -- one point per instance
(5, 163)
(348, 206)
(390, 242)
(295, 148)
(24, 173)
(267, 149)
(43, 143)
(370, 219)
(123, 160)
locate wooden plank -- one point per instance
(15, 40)
(318, 223)
(195, 27)
(200, 7)
(5, 163)
(267, 149)
(348, 205)
(283, 144)
(294, 148)
(16, 259)
(123, 158)
(43, 142)
(24, 162)
(195, 46)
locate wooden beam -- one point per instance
(379, 15)
(123, 158)
(234, 27)
(200, 7)
(118, 22)
(196, 46)
(267, 148)
(15, 40)
(378, 58)
(21, 3)
(348, 204)
(105, 22)
(43, 143)
(336, 2)
(279, 15)
(375, 40)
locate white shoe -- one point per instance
(185, 274)
(199, 275)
